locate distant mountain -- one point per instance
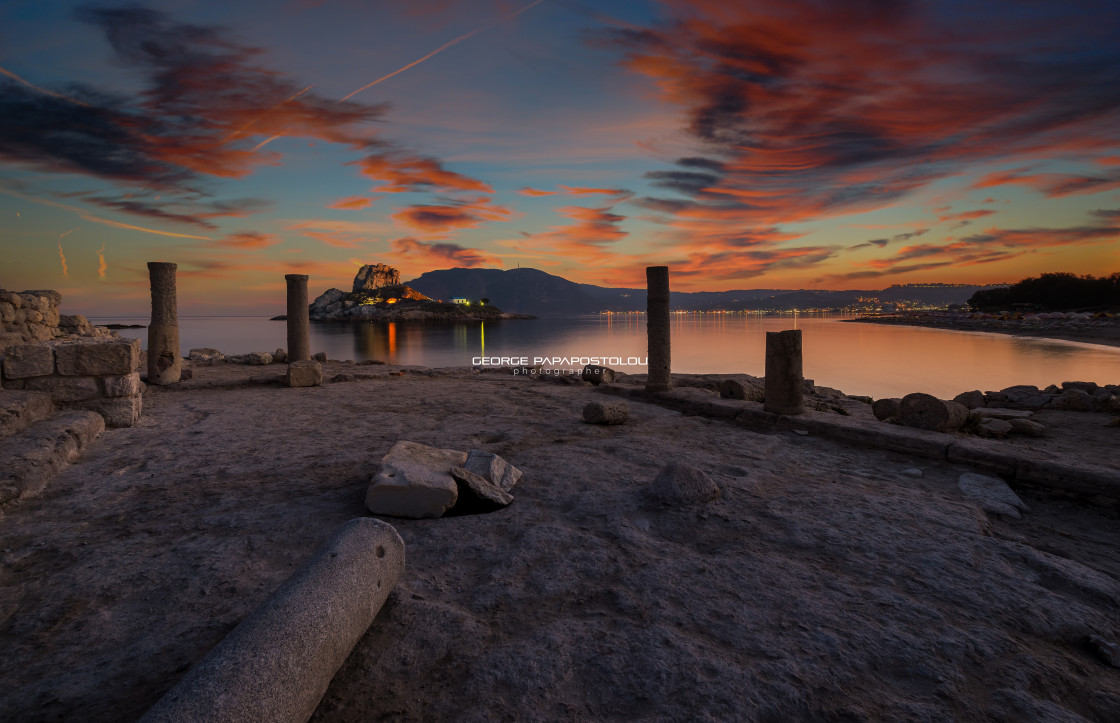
(531, 291)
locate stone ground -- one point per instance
(825, 584)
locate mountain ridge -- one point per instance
(532, 291)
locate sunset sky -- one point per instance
(762, 144)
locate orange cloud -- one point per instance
(527, 191)
(437, 219)
(401, 172)
(248, 240)
(438, 254)
(1052, 185)
(352, 203)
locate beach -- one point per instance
(827, 581)
(1104, 331)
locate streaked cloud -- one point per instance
(441, 254)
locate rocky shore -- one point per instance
(826, 580)
(1096, 328)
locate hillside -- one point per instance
(531, 291)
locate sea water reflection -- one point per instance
(878, 360)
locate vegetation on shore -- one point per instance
(1052, 292)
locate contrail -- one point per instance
(416, 62)
(438, 50)
(101, 265)
(262, 115)
(13, 76)
(64, 234)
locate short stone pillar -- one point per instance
(299, 325)
(657, 329)
(165, 363)
(785, 381)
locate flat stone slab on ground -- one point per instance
(992, 491)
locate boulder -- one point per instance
(598, 375)
(1027, 427)
(971, 400)
(997, 428)
(476, 494)
(279, 356)
(681, 484)
(308, 373)
(205, 356)
(992, 493)
(612, 412)
(884, 409)
(493, 469)
(925, 411)
(1089, 387)
(258, 358)
(735, 389)
(320, 356)
(1072, 399)
(414, 481)
(375, 276)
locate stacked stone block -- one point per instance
(30, 316)
(98, 374)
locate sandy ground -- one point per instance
(825, 584)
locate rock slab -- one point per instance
(276, 665)
(992, 493)
(493, 469)
(414, 481)
(477, 494)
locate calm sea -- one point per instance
(872, 359)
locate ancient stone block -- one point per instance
(117, 411)
(735, 389)
(258, 358)
(972, 400)
(122, 385)
(20, 409)
(612, 412)
(28, 360)
(304, 374)
(884, 409)
(97, 356)
(66, 389)
(415, 481)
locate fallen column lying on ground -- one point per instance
(276, 665)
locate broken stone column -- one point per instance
(299, 326)
(785, 381)
(165, 364)
(657, 329)
(276, 665)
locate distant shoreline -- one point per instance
(1105, 332)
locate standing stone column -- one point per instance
(785, 381)
(299, 325)
(657, 329)
(165, 363)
